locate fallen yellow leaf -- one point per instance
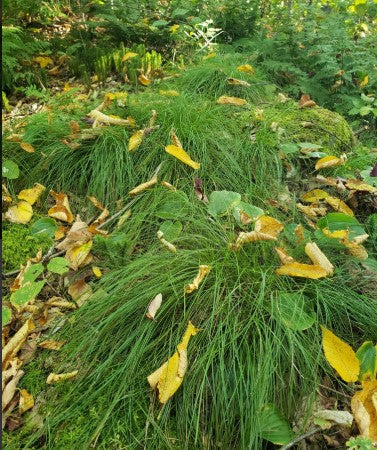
(340, 356)
(266, 229)
(97, 271)
(364, 409)
(61, 210)
(358, 185)
(109, 120)
(339, 205)
(169, 93)
(175, 139)
(26, 401)
(311, 211)
(328, 161)
(246, 68)
(142, 187)
(318, 257)
(365, 81)
(13, 346)
(165, 243)
(314, 196)
(20, 213)
(51, 345)
(33, 194)
(236, 82)
(169, 186)
(297, 269)
(180, 154)
(76, 255)
(27, 147)
(283, 256)
(10, 390)
(168, 378)
(135, 140)
(203, 271)
(43, 61)
(57, 378)
(225, 100)
(356, 250)
(129, 55)
(144, 80)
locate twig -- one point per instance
(335, 391)
(301, 437)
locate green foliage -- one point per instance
(58, 265)
(360, 443)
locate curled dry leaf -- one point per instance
(364, 408)
(142, 187)
(8, 374)
(203, 271)
(123, 218)
(144, 80)
(306, 102)
(21, 213)
(33, 194)
(329, 161)
(96, 202)
(318, 257)
(198, 188)
(168, 378)
(60, 302)
(13, 346)
(175, 139)
(165, 243)
(80, 291)
(26, 401)
(169, 186)
(180, 154)
(109, 120)
(283, 256)
(358, 185)
(154, 306)
(135, 140)
(61, 210)
(311, 211)
(129, 55)
(246, 68)
(97, 271)
(77, 255)
(58, 377)
(356, 250)
(27, 147)
(77, 235)
(51, 344)
(339, 205)
(266, 229)
(10, 390)
(43, 61)
(340, 356)
(225, 100)
(236, 82)
(314, 195)
(299, 232)
(327, 418)
(297, 269)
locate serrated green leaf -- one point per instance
(58, 265)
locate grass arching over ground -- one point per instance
(245, 356)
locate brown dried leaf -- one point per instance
(13, 346)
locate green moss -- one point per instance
(18, 245)
(316, 125)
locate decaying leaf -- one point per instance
(175, 139)
(13, 346)
(180, 154)
(283, 256)
(33, 194)
(203, 271)
(246, 68)
(329, 161)
(21, 213)
(340, 356)
(364, 408)
(144, 80)
(57, 378)
(60, 302)
(225, 100)
(78, 234)
(135, 140)
(61, 210)
(236, 82)
(318, 257)
(43, 61)
(306, 102)
(129, 55)
(314, 196)
(311, 211)
(27, 147)
(326, 418)
(168, 378)
(109, 120)
(80, 291)
(96, 202)
(26, 401)
(358, 185)
(77, 254)
(51, 344)
(297, 269)
(154, 306)
(165, 243)
(10, 390)
(198, 188)
(356, 250)
(339, 205)
(169, 186)
(142, 187)
(266, 229)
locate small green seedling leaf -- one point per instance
(10, 169)
(46, 225)
(223, 202)
(58, 265)
(289, 148)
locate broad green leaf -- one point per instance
(26, 293)
(223, 202)
(294, 311)
(58, 265)
(340, 221)
(6, 315)
(10, 169)
(367, 354)
(171, 230)
(289, 148)
(32, 273)
(174, 206)
(365, 110)
(274, 427)
(47, 225)
(253, 212)
(159, 23)
(309, 145)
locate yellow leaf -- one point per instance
(27, 147)
(268, 225)
(97, 271)
(225, 100)
(154, 306)
(365, 81)
(43, 61)
(364, 409)
(33, 194)
(174, 28)
(203, 271)
(135, 140)
(96, 202)
(311, 211)
(129, 55)
(236, 82)
(51, 345)
(144, 80)
(10, 390)
(358, 185)
(328, 161)
(169, 186)
(76, 255)
(66, 87)
(20, 213)
(108, 120)
(337, 234)
(57, 378)
(297, 269)
(357, 250)
(283, 256)
(168, 378)
(166, 243)
(180, 154)
(314, 196)
(169, 93)
(175, 139)
(340, 356)
(14, 344)
(142, 187)
(339, 205)
(26, 401)
(209, 56)
(61, 210)
(318, 258)
(246, 68)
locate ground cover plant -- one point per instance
(190, 254)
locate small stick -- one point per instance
(301, 437)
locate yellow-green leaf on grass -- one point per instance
(135, 140)
(26, 293)
(367, 355)
(58, 265)
(273, 426)
(340, 356)
(180, 154)
(20, 213)
(6, 315)
(294, 311)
